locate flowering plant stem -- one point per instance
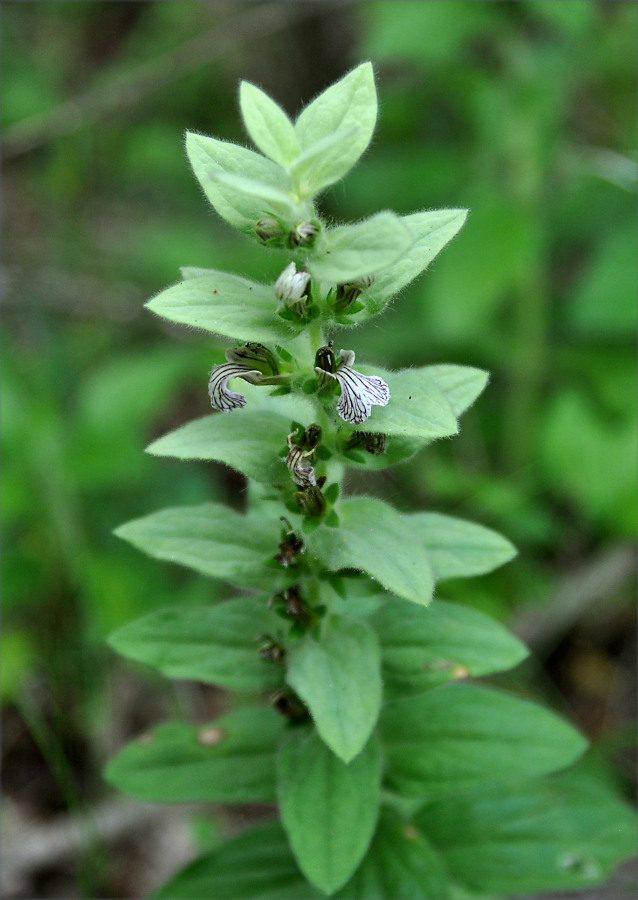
(393, 775)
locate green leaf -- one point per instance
(216, 644)
(339, 679)
(456, 737)
(417, 406)
(329, 809)
(256, 865)
(352, 251)
(550, 834)
(249, 440)
(460, 384)
(268, 125)
(223, 304)
(352, 101)
(323, 163)
(212, 539)
(229, 760)
(459, 549)
(377, 539)
(208, 157)
(430, 231)
(267, 198)
(421, 648)
(400, 863)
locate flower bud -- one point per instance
(269, 230)
(303, 235)
(291, 286)
(348, 293)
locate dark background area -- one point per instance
(522, 111)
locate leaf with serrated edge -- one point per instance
(421, 648)
(223, 304)
(228, 760)
(216, 644)
(268, 125)
(338, 677)
(374, 537)
(460, 549)
(458, 736)
(249, 440)
(352, 101)
(208, 156)
(329, 809)
(352, 251)
(211, 539)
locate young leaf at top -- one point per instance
(323, 163)
(209, 156)
(210, 538)
(216, 644)
(552, 834)
(250, 441)
(338, 677)
(460, 549)
(255, 865)
(352, 251)
(223, 304)
(329, 809)
(267, 198)
(351, 102)
(375, 538)
(228, 760)
(268, 125)
(459, 736)
(430, 231)
(421, 648)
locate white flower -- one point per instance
(220, 396)
(359, 393)
(291, 285)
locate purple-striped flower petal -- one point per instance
(220, 396)
(359, 393)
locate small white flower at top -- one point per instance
(291, 286)
(359, 393)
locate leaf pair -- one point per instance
(397, 249)
(567, 832)
(329, 135)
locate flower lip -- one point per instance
(221, 397)
(359, 393)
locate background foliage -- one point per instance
(521, 111)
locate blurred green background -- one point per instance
(522, 111)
